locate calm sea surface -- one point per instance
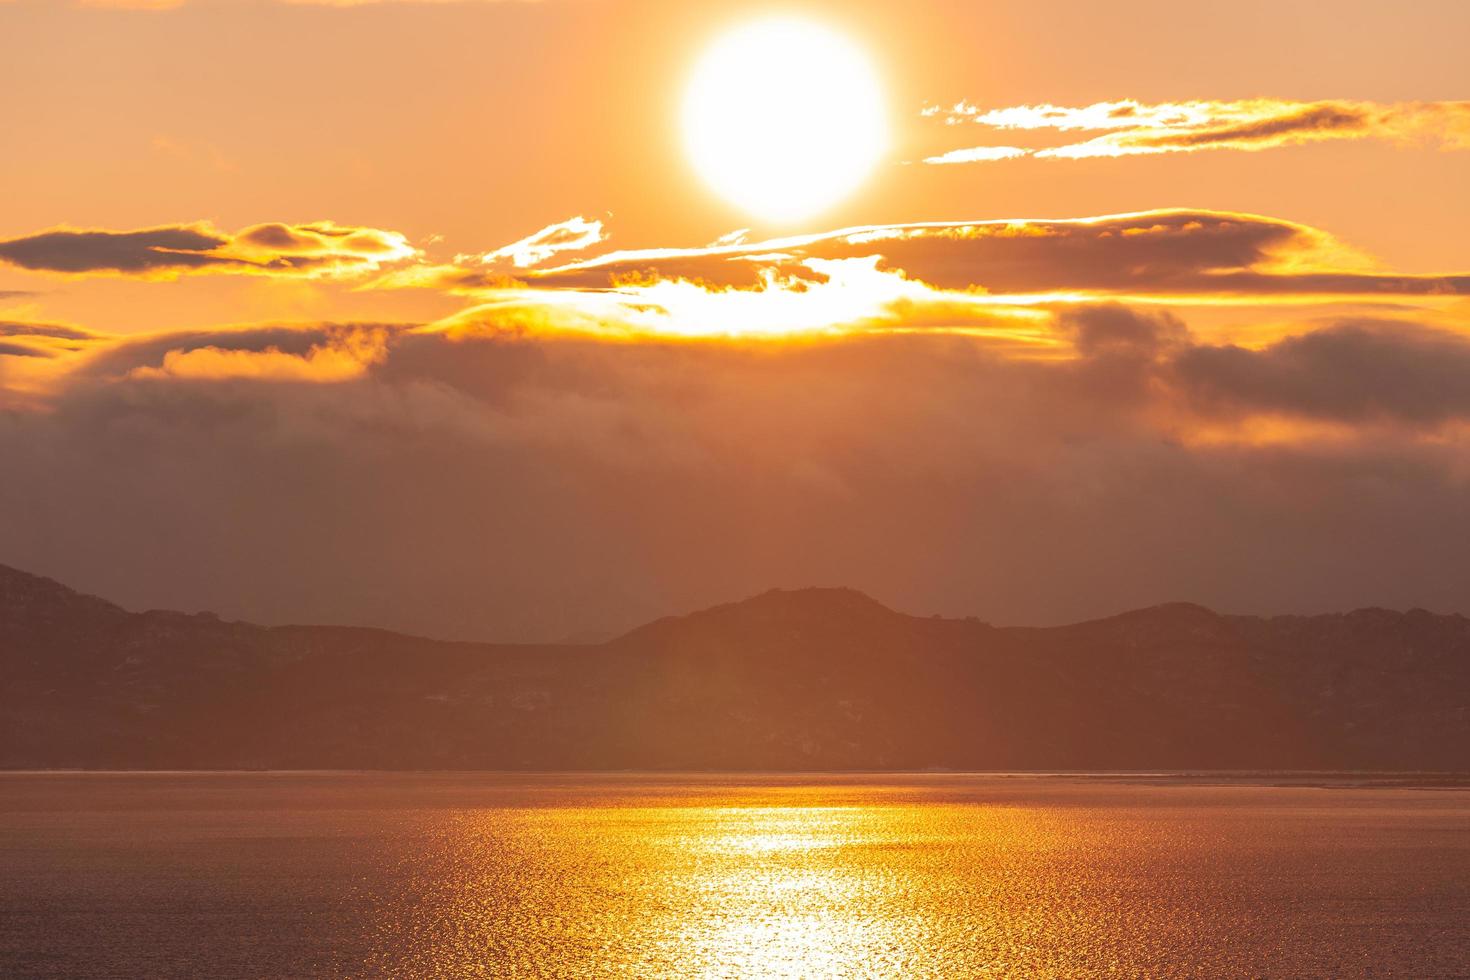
(956, 876)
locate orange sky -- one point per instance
(1231, 230)
(468, 125)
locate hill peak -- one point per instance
(1165, 612)
(837, 598)
(801, 608)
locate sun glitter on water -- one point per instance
(784, 118)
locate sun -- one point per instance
(784, 118)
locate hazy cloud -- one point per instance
(8, 349)
(43, 340)
(491, 482)
(942, 414)
(53, 330)
(1358, 371)
(1111, 329)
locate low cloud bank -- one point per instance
(486, 482)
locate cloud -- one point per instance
(50, 330)
(318, 249)
(827, 297)
(1112, 329)
(573, 235)
(1016, 419)
(736, 237)
(135, 251)
(42, 340)
(1133, 128)
(996, 280)
(340, 356)
(1349, 373)
(1352, 372)
(987, 278)
(470, 274)
(327, 352)
(8, 349)
(978, 154)
(1154, 253)
(487, 481)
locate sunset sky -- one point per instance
(444, 316)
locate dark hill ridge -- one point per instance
(807, 679)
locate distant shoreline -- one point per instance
(1326, 779)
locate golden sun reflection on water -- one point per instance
(715, 890)
(886, 882)
(774, 903)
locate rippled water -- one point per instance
(369, 875)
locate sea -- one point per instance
(935, 875)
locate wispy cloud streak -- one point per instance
(573, 235)
(1131, 128)
(1151, 253)
(319, 249)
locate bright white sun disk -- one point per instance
(784, 118)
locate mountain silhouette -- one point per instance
(787, 680)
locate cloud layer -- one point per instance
(305, 250)
(1131, 128)
(1163, 253)
(1017, 419)
(483, 481)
